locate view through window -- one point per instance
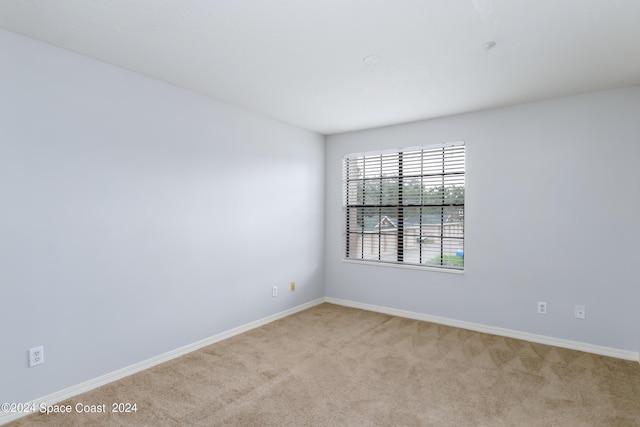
(406, 206)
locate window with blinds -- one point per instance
(406, 206)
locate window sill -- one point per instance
(405, 266)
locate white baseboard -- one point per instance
(146, 364)
(541, 339)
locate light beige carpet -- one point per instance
(338, 366)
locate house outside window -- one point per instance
(405, 206)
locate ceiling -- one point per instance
(303, 61)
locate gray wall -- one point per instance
(137, 217)
(551, 215)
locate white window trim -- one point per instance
(349, 193)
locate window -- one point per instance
(406, 206)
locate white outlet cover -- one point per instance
(580, 312)
(36, 356)
(542, 307)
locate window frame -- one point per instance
(401, 228)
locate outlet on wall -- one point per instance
(293, 286)
(274, 291)
(580, 312)
(36, 356)
(542, 307)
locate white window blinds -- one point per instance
(406, 206)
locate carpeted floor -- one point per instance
(338, 366)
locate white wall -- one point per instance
(137, 217)
(551, 215)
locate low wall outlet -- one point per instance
(542, 307)
(274, 291)
(580, 312)
(293, 286)
(36, 356)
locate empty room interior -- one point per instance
(354, 212)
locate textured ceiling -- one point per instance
(301, 61)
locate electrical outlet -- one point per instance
(580, 312)
(274, 291)
(542, 307)
(293, 286)
(36, 356)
